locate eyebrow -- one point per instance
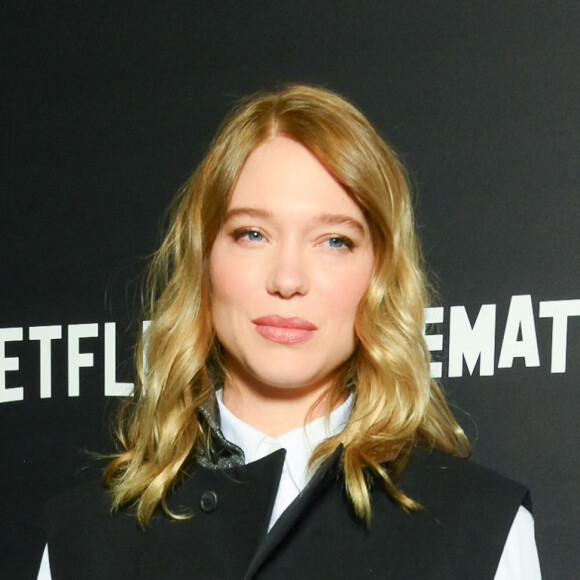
(326, 218)
(246, 211)
(339, 219)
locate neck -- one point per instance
(273, 410)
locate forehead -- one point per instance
(283, 174)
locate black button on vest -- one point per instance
(208, 501)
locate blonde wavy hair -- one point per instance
(397, 406)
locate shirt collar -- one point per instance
(299, 443)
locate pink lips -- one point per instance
(284, 330)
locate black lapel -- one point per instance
(323, 476)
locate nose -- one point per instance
(288, 274)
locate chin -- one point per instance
(291, 381)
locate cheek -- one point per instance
(346, 294)
(231, 269)
(232, 288)
(219, 279)
(222, 302)
(223, 272)
(220, 276)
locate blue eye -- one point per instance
(254, 236)
(250, 235)
(339, 242)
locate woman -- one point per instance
(285, 424)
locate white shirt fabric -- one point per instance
(519, 560)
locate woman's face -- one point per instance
(288, 269)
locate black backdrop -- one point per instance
(105, 109)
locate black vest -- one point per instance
(459, 533)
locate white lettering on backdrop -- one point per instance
(475, 342)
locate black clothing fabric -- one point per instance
(459, 533)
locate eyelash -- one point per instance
(346, 242)
(239, 234)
